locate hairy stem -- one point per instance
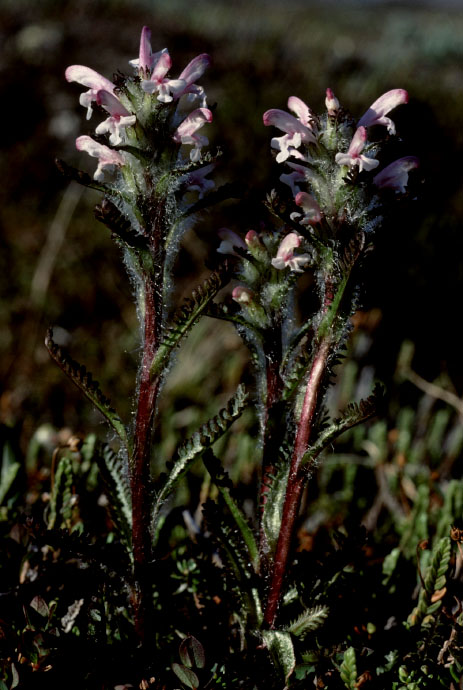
(140, 466)
(271, 440)
(295, 480)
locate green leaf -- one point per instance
(222, 481)
(239, 576)
(85, 382)
(186, 676)
(356, 413)
(280, 646)
(61, 495)
(10, 469)
(348, 669)
(434, 582)
(114, 469)
(309, 620)
(272, 510)
(192, 652)
(200, 441)
(187, 316)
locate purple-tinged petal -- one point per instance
(285, 255)
(192, 123)
(287, 123)
(89, 78)
(354, 154)
(111, 104)
(375, 115)
(106, 157)
(197, 182)
(195, 69)
(230, 242)
(331, 102)
(161, 67)
(301, 110)
(145, 56)
(242, 295)
(358, 142)
(395, 175)
(312, 212)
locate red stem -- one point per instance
(295, 481)
(140, 466)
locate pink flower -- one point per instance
(186, 132)
(146, 58)
(312, 212)
(230, 242)
(296, 134)
(301, 110)
(285, 256)
(242, 295)
(119, 117)
(106, 157)
(395, 175)
(88, 77)
(354, 154)
(375, 115)
(331, 102)
(193, 71)
(166, 89)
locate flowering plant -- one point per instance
(154, 170)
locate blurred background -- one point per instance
(58, 265)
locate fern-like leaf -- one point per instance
(223, 483)
(431, 594)
(348, 669)
(60, 500)
(272, 510)
(83, 379)
(187, 316)
(232, 549)
(114, 470)
(200, 441)
(309, 620)
(120, 226)
(356, 413)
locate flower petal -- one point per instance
(395, 175)
(383, 105)
(195, 69)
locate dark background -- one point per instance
(59, 267)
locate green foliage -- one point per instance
(348, 669)
(433, 590)
(85, 382)
(200, 441)
(187, 316)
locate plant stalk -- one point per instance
(296, 481)
(140, 467)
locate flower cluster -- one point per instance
(130, 105)
(326, 155)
